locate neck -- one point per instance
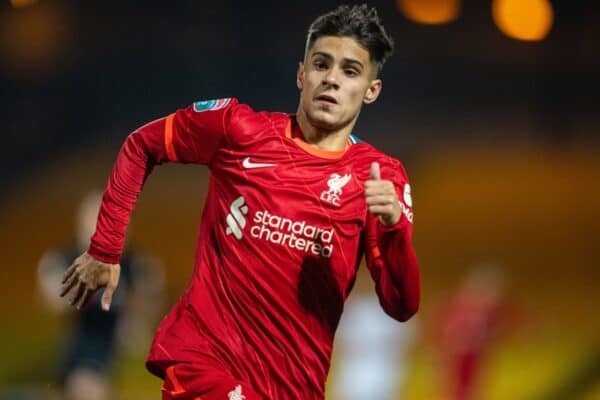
(324, 139)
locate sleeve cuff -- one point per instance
(398, 226)
(92, 251)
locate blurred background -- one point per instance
(492, 106)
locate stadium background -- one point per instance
(500, 138)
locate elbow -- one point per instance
(407, 312)
(403, 312)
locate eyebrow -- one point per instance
(330, 57)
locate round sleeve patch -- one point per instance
(407, 197)
(211, 105)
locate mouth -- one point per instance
(326, 99)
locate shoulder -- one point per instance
(244, 116)
(233, 109)
(239, 120)
(248, 125)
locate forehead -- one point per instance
(341, 48)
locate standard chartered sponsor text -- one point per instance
(294, 234)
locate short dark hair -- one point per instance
(358, 22)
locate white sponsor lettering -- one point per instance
(298, 235)
(294, 234)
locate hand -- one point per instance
(381, 197)
(85, 276)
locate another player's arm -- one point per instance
(187, 136)
(391, 258)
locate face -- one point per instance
(336, 78)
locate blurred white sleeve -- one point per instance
(371, 351)
(50, 270)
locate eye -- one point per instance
(351, 72)
(320, 65)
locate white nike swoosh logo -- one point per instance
(249, 164)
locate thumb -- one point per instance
(111, 286)
(107, 297)
(375, 173)
(109, 290)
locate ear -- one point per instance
(373, 91)
(300, 76)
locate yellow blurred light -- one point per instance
(33, 40)
(22, 3)
(430, 12)
(528, 20)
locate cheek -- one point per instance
(356, 95)
(307, 88)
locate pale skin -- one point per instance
(336, 78)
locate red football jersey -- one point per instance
(283, 230)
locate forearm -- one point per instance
(395, 269)
(140, 152)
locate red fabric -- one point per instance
(469, 321)
(280, 240)
(189, 381)
(466, 368)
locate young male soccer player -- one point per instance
(294, 201)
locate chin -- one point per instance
(324, 120)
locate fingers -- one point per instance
(375, 172)
(68, 285)
(83, 300)
(81, 288)
(382, 210)
(375, 188)
(381, 204)
(70, 271)
(380, 199)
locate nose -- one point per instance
(331, 78)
